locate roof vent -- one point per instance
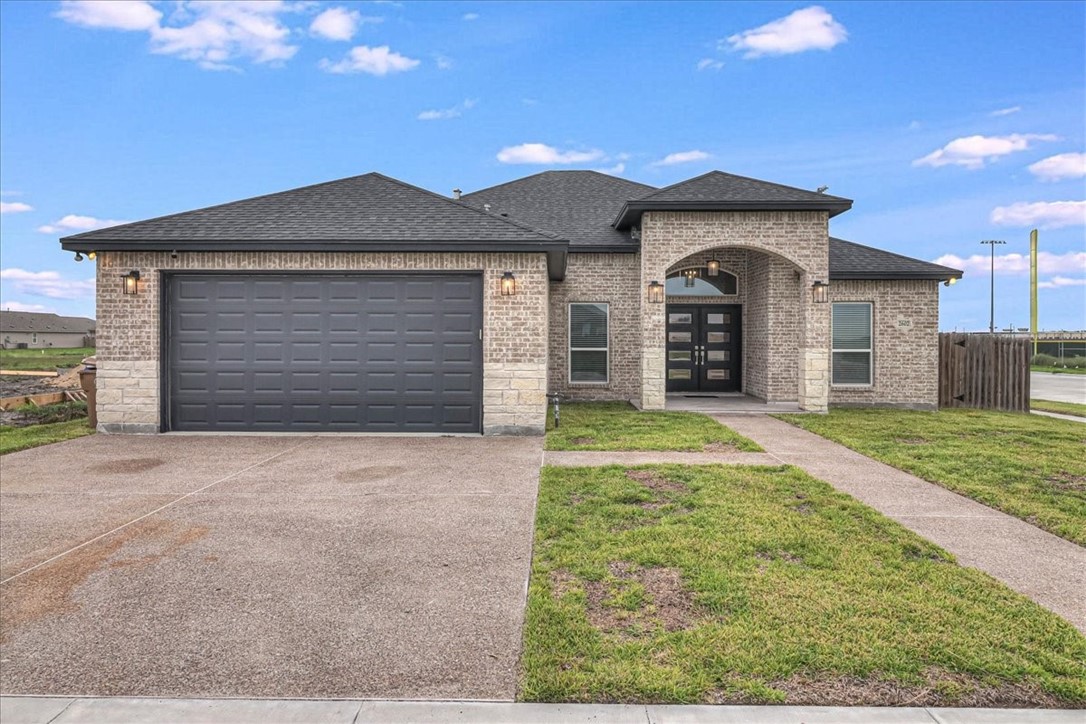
(486, 208)
(456, 194)
(822, 189)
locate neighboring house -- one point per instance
(35, 329)
(368, 304)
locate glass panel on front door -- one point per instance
(703, 352)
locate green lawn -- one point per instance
(620, 426)
(1029, 466)
(1059, 370)
(1065, 408)
(13, 439)
(43, 359)
(725, 584)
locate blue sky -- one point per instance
(947, 123)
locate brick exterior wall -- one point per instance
(514, 328)
(614, 279)
(905, 321)
(784, 323)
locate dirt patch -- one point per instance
(767, 557)
(654, 481)
(48, 591)
(126, 466)
(667, 604)
(1067, 481)
(562, 582)
(369, 474)
(583, 441)
(719, 447)
(941, 688)
(68, 380)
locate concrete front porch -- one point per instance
(729, 402)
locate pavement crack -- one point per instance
(155, 511)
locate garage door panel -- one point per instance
(325, 352)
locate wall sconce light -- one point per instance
(508, 284)
(91, 255)
(656, 292)
(131, 282)
(690, 275)
(950, 282)
(819, 293)
(713, 265)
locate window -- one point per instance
(852, 343)
(722, 285)
(588, 343)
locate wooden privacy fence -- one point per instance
(987, 371)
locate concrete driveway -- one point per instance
(1061, 388)
(266, 566)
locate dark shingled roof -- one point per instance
(577, 205)
(719, 191)
(368, 208)
(849, 260)
(43, 322)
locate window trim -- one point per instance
(570, 349)
(870, 350)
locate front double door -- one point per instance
(703, 348)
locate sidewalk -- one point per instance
(1044, 567)
(48, 710)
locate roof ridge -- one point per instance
(892, 253)
(737, 176)
(219, 206)
(497, 217)
(557, 170)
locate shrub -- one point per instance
(1044, 360)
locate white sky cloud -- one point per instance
(20, 307)
(1047, 263)
(470, 16)
(808, 29)
(211, 34)
(116, 15)
(1005, 111)
(443, 62)
(75, 223)
(339, 23)
(447, 113)
(673, 159)
(374, 61)
(972, 152)
(710, 64)
(542, 154)
(615, 170)
(47, 284)
(14, 207)
(1045, 214)
(1061, 166)
(1057, 282)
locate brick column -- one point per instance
(814, 351)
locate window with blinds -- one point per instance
(588, 348)
(852, 343)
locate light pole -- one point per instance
(991, 318)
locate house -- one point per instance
(37, 329)
(367, 304)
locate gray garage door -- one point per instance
(370, 353)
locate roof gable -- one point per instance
(719, 191)
(577, 205)
(368, 208)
